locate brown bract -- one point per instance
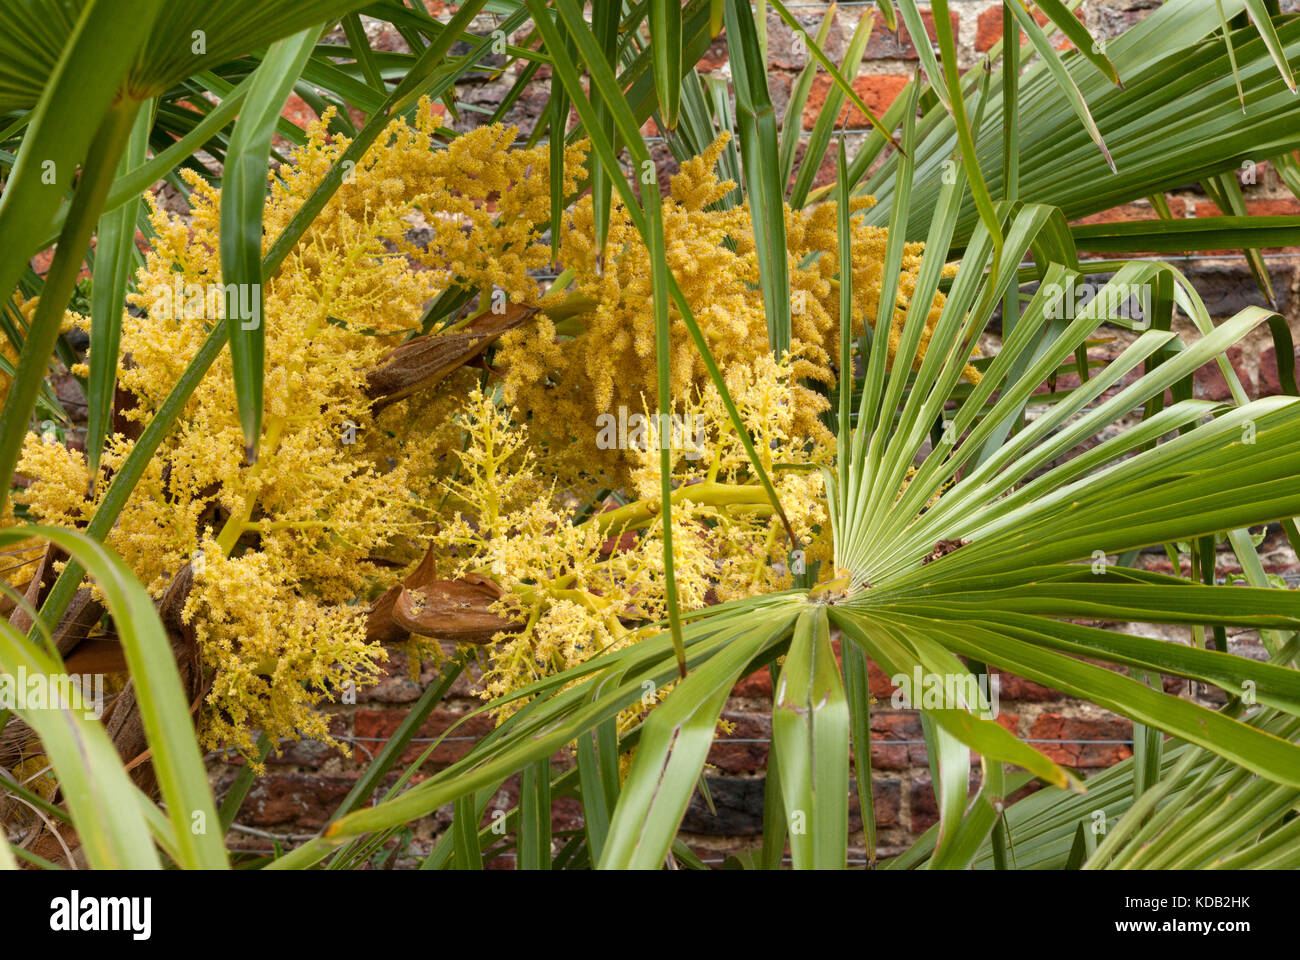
(422, 361)
(87, 654)
(456, 610)
(82, 613)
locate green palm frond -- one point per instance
(1176, 120)
(1031, 534)
(186, 38)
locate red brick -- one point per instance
(41, 261)
(297, 112)
(624, 542)
(1261, 207)
(785, 53)
(1287, 206)
(884, 804)
(1011, 687)
(988, 29)
(1179, 687)
(1207, 208)
(566, 811)
(379, 725)
(887, 727)
(878, 683)
(1210, 383)
(305, 800)
(395, 684)
(1255, 207)
(885, 800)
(757, 686)
(714, 57)
(1139, 210)
(885, 44)
(1054, 726)
(924, 808)
(314, 753)
(877, 91)
(1066, 381)
(740, 751)
(388, 40)
(1270, 382)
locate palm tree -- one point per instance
(967, 535)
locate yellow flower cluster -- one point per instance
(287, 552)
(582, 586)
(608, 362)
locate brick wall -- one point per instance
(303, 784)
